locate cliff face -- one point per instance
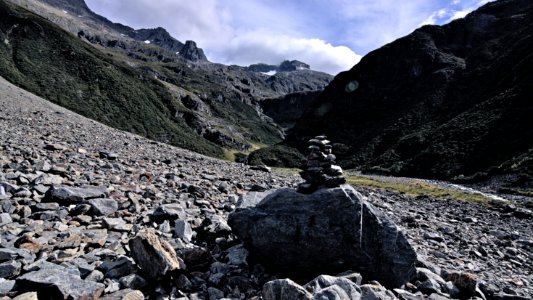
(444, 101)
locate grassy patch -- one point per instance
(415, 188)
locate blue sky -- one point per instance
(330, 35)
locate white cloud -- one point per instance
(435, 16)
(217, 27)
(263, 46)
(318, 32)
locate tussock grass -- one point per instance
(416, 188)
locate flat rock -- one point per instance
(127, 294)
(285, 289)
(72, 195)
(27, 296)
(329, 231)
(59, 284)
(102, 206)
(117, 224)
(322, 282)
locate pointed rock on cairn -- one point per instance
(320, 170)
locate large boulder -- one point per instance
(328, 231)
(154, 256)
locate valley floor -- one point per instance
(494, 243)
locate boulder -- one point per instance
(103, 206)
(154, 256)
(328, 231)
(330, 285)
(71, 195)
(59, 284)
(285, 289)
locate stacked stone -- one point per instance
(320, 170)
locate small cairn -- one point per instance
(320, 170)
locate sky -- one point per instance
(329, 35)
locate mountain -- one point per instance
(447, 102)
(136, 80)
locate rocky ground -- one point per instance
(74, 240)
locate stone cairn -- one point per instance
(320, 170)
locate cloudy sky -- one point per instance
(330, 35)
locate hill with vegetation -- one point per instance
(447, 102)
(108, 72)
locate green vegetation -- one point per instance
(415, 188)
(40, 57)
(277, 156)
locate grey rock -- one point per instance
(375, 292)
(58, 284)
(325, 281)
(215, 294)
(333, 292)
(103, 206)
(429, 286)
(155, 257)
(10, 269)
(95, 276)
(164, 227)
(111, 285)
(285, 289)
(71, 195)
(46, 206)
(127, 294)
(183, 230)
(27, 296)
(170, 212)
(6, 286)
(251, 199)
(117, 268)
(237, 255)
(133, 281)
(433, 236)
(436, 296)
(117, 224)
(7, 254)
(503, 296)
(216, 224)
(83, 266)
(352, 276)
(22, 193)
(5, 218)
(327, 231)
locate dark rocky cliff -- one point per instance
(446, 102)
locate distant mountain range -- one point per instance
(448, 102)
(143, 81)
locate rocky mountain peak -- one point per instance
(285, 66)
(158, 36)
(191, 52)
(293, 65)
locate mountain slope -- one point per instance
(41, 58)
(443, 102)
(100, 71)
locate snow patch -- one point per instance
(65, 11)
(147, 42)
(270, 73)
